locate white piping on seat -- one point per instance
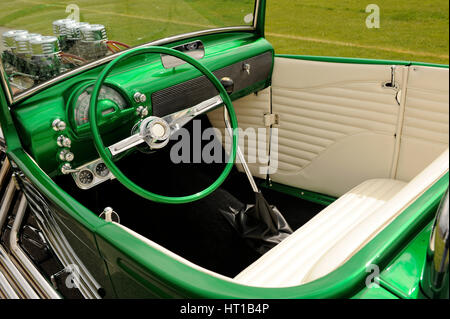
(338, 232)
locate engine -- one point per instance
(31, 58)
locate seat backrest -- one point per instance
(382, 217)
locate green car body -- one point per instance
(121, 265)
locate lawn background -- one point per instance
(410, 30)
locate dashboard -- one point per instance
(54, 123)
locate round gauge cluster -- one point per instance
(81, 110)
(85, 177)
(92, 175)
(101, 170)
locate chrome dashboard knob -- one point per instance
(59, 125)
(139, 97)
(66, 155)
(142, 111)
(63, 141)
(66, 169)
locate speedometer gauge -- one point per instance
(81, 110)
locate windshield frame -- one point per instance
(12, 99)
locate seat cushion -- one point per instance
(339, 231)
(290, 262)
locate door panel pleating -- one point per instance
(337, 124)
(425, 133)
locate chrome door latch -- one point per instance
(246, 67)
(392, 84)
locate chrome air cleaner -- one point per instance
(9, 36)
(93, 41)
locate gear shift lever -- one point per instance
(228, 84)
(262, 225)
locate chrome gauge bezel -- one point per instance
(83, 129)
(83, 105)
(106, 169)
(97, 179)
(82, 173)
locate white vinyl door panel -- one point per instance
(425, 131)
(250, 112)
(337, 124)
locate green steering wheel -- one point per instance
(106, 154)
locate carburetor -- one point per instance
(31, 54)
(87, 41)
(30, 58)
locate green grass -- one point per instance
(129, 21)
(414, 30)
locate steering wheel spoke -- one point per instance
(178, 119)
(126, 144)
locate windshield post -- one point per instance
(260, 8)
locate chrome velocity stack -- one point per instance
(93, 41)
(23, 44)
(60, 27)
(45, 55)
(8, 38)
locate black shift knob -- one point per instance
(228, 84)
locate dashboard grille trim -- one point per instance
(195, 91)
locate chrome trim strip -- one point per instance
(6, 291)
(42, 285)
(109, 58)
(17, 279)
(22, 284)
(88, 285)
(6, 201)
(4, 171)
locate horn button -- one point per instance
(155, 131)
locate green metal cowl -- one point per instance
(435, 277)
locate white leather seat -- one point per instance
(340, 230)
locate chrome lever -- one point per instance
(392, 84)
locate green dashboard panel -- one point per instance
(145, 74)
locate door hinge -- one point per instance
(271, 119)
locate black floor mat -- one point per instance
(297, 211)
